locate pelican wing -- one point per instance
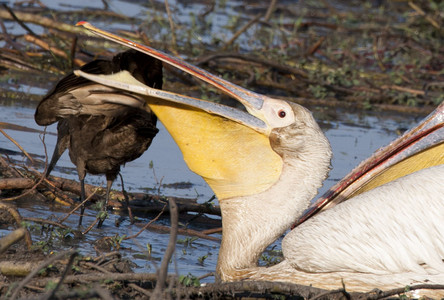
(418, 148)
(393, 228)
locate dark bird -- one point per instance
(102, 127)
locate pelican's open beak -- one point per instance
(220, 150)
(217, 141)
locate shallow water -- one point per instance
(354, 136)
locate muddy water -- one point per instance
(353, 136)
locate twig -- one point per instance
(270, 10)
(385, 294)
(12, 172)
(69, 185)
(29, 191)
(331, 102)
(105, 5)
(12, 238)
(240, 31)
(44, 45)
(37, 270)
(91, 226)
(45, 221)
(59, 195)
(315, 46)
(146, 203)
(330, 293)
(403, 89)
(376, 54)
(18, 219)
(125, 195)
(78, 206)
(252, 288)
(139, 289)
(15, 183)
(213, 230)
(6, 125)
(73, 51)
(16, 268)
(182, 231)
(51, 294)
(98, 268)
(104, 294)
(23, 25)
(422, 13)
(80, 293)
(163, 271)
(17, 174)
(146, 226)
(210, 8)
(43, 21)
(7, 37)
(98, 277)
(102, 257)
(266, 62)
(18, 145)
(173, 29)
(206, 275)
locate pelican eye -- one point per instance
(282, 114)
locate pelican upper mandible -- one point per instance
(266, 165)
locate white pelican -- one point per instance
(265, 166)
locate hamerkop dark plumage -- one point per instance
(101, 135)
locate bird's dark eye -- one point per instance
(282, 114)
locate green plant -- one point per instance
(50, 285)
(189, 280)
(318, 91)
(117, 240)
(201, 259)
(187, 242)
(42, 245)
(271, 257)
